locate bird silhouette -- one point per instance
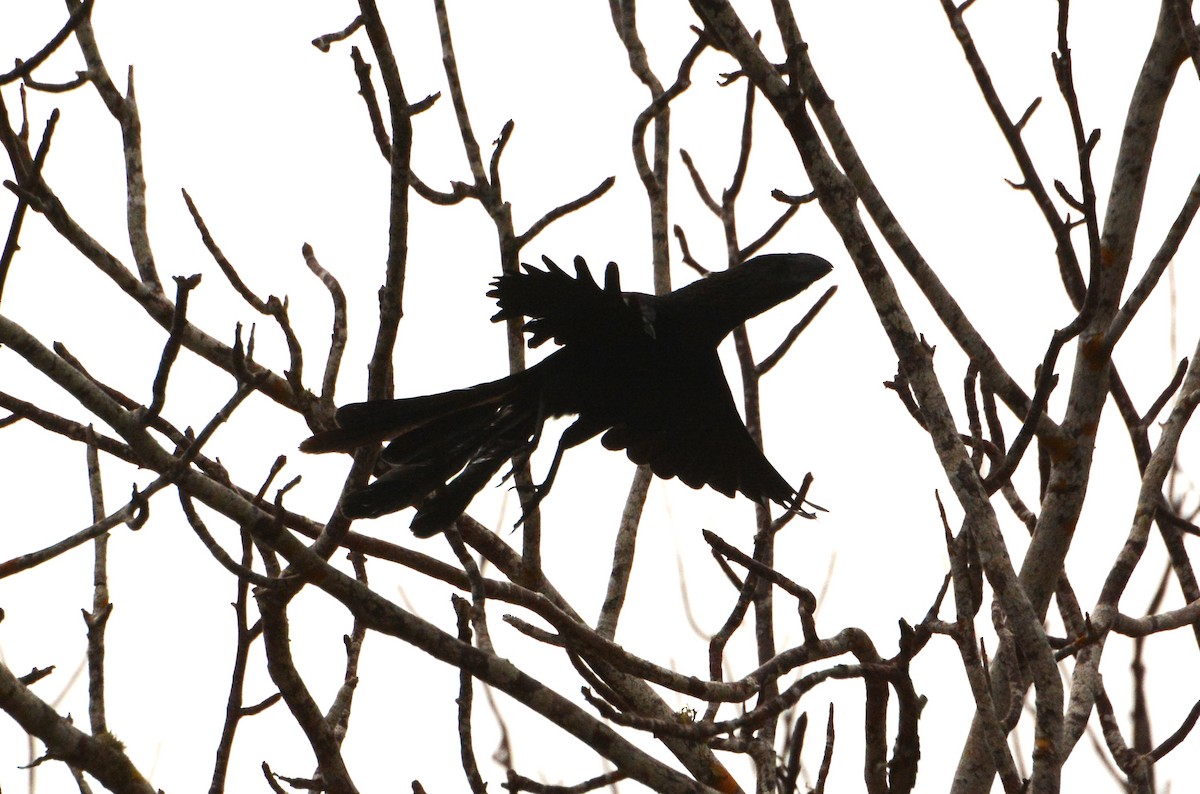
(641, 369)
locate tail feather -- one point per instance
(374, 421)
(444, 448)
(401, 487)
(445, 481)
(450, 501)
(440, 436)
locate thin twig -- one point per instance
(245, 635)
(219, 554)
(465, 742)
(97, 619)
(768, 363)
(337, 344)
(183, 288)
(14, 229)
(26, 66)
(563, 210)
(323, 42)
(623, 550)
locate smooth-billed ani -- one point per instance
(641, 369)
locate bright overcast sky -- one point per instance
(270, 138)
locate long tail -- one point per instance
(374, 421)
(444, 448)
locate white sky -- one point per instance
(270, 139)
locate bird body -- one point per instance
(641, 369)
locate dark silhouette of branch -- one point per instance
(26, 66)
(324, 42)
(14, 230)
(102, 757)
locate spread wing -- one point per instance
(574, 312)
(701, 439)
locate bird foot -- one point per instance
(800, 500)
(799, 510)
(530, 504)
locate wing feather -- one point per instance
(702, 442)
(574, 312)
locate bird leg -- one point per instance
(573, 436)
(526, 451)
